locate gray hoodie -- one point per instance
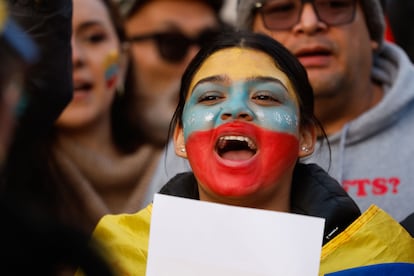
(371, 156)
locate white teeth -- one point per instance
(223, 139)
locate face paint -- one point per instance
(111, 68)
(238, 159)
(265, 99)
(240, 125)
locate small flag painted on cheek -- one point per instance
(111, 68)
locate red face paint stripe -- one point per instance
(277, 151)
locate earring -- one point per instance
(182, 149)
(305, 149)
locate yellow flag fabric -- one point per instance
(125, 238)
(373, 238)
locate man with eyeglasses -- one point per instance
(364, 92)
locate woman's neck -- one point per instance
(96, 138)
(276, 200)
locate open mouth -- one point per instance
(313, 53)
(236, 148)
(83, 86)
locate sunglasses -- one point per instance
(284, 14)
(173, 46)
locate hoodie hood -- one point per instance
(368, 154)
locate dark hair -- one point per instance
(11, 63)
(283, 59)
(116, 19)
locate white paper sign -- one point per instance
(192, 237)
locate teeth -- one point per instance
(250, 143)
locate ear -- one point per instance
(179, 143)
(374, 45)
(307, 140)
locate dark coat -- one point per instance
(48, 88)
(32, 242)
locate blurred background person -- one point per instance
(164, 36)
(93, 160)
(104, 149)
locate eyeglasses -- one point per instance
(284, 14)
(173, 46)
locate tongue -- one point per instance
(237, 155)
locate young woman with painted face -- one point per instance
(85, 151)
(244, 130)
(244, 119)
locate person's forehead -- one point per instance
(185, 15)
(240, 64)
(82, 9)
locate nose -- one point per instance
(236, 112)
(309, 21)
(77, 55)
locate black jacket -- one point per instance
(34, 243)
(314, 193)
(408, 224)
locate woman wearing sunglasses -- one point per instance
(244, 121)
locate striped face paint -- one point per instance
(111, 68)
(240, 123)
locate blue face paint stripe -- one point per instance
(237, 98)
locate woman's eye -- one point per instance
(210, 98)
(265, 98)
(95, 38)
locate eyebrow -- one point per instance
(89, 24)
(225, 78)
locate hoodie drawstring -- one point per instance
(341, 153)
